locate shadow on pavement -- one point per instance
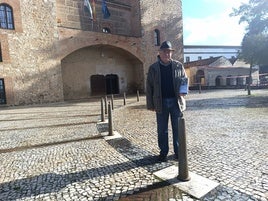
(52, 182)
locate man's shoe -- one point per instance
(176, 157)
(162, 158)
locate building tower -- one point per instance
(56, 50)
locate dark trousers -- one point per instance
(169, 108)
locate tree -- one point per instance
(255, 15)
(255, 42)
(254, 49)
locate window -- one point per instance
(187, 59)
(106, 30)
(2, 92)
(156, 37)
(6, 17)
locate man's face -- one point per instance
(165, 55)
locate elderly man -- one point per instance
(164, 97)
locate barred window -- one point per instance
(6, 17)
(156, 37)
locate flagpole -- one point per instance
(93, 13)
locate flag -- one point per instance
(94, 9)
(105, 11)
(87, 8)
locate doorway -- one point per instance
(2, 92)
(98, 85)
(112, 86)
(101, 84)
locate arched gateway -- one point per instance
(100, 70)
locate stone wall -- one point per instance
(47, 32)
(166, 16)
(35, 74)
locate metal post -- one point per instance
(102, 110)
(182, 152)
(112, 101)
(110, 120)
(106, 105)
(138, 96)
(124, 98)
(199, 86)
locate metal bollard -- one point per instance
(199, 86)
(138, 96)
(124, 98)
(182, 152)
(112, 101)
(102, 110)
(110, 120)
(106, 105)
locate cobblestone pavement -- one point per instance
(56, 152)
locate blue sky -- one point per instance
(207, 22)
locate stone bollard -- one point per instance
(182, 152)
(138, 96)
(110, 120)
(125, 98)
(102, 110)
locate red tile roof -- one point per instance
(202, 62)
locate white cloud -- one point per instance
(226, 3)
(219, 29)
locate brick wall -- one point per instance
(48, 31)
(35, 76)
(124, 19)
(166, 16)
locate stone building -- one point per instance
(220, 72)
(51, 50)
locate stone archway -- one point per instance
(91, 70)
(200, 77)
(219, 81)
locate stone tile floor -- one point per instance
(55, 151)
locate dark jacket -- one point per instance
(153, 84)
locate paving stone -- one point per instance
(58, 155)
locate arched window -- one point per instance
(200, 77)
(218, 81)
(106, 30)
(187, 59)
(156, 37)
(6, 17)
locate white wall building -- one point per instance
(198, 52)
